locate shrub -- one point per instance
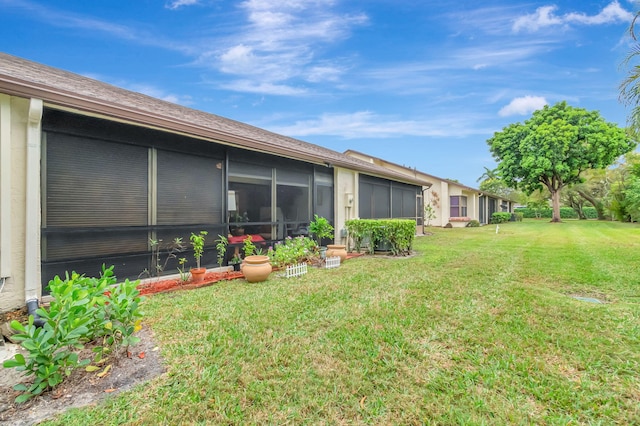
(473, 224)
(293, 250)
(320, 228)
(519, 216)
(565, 213)
(399, 233)
(82, 310)
(500, 217)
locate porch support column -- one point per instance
(5, 186)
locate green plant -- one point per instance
(248, 247)
(184, 274)
(123, 314)
(473, 224)
(50, 356)
(520, 216)
(82, 309)
(221, 247)
(171, 251)
(500, 217)
(197, 241)
(358, 231)
(399, 233)
(235, 259)
(320, 228)
(293, 250)
(429, 213)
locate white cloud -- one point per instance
(545, 16)
(523, 106)
(320, 73)
(612, 13)
(176, 4)
(279, 42)
(249, 86)
(368, 125)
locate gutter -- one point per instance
(32, 276)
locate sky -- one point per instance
(421, 83)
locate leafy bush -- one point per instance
(82, 310)
(519, 216)
(399, 233)
(320, 228)
(565, 213)
(473, 224)
(248, 247)
(500, 217)
(293, 250)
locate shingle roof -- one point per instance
(62, 89)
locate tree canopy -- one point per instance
(491, 182)
(554, 146)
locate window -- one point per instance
(293, 200)
(457, 206)
(250, 185)
(384, 199)
(404, 201)
(323, 205)
(375, 198)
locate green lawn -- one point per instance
(478, 328)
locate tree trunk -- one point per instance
(555, 200)
(595, 203)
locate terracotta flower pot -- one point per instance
(197, 274)
(256, 268)
(337, 250)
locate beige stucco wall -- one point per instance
(473, 204)
(14, 115)
(346, 200)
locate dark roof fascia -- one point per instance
(414, 170)
(498, 197)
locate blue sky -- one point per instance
(420, 83)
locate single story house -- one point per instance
(91, 173)
(450, 202)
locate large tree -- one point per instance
(554, 146)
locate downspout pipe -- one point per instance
(32, 307)
(32, 219)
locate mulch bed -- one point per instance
(166, 285)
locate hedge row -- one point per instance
(565, 213)
(399, 233)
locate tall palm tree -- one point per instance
(630, 87)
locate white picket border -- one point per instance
(296, 270)
(332, 262)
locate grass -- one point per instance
(478, 329)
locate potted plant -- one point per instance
(238, 229)
(197, 241)
(235, 262)
(320, 228)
